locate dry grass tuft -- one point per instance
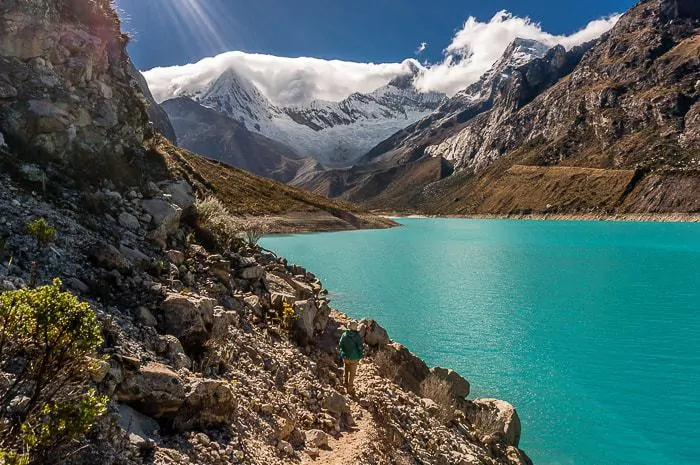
(438, 390)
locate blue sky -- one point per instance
(173, 32)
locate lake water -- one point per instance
(591, 329)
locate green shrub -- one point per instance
(40, 230)
(48, 341)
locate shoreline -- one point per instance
(622, 217)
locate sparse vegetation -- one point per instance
(385, 365)
(216, 221)
(48, 341)
(438, 390)
(286, 317)
(41, 231)
(254, 229)
(486, 423)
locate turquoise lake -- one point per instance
(591, 329)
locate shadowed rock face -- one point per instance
(63, 80)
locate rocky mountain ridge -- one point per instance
(525, 69)
(334, 133)
(200, 361)
(549, 136)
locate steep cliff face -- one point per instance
(156, 113)
(64, 85)
(631, 102)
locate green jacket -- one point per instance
(350, 345)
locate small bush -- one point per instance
(40, 230)
(48, 341)
(254, 229)
(438, 390)
(386, 367)
(215, 220)
(286, 317)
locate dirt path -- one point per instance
(348, 446)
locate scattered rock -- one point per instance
(335, 403)
(176, 257)
(373, 333)
(154, 390)
(252, 273)
(129, 221)
(107, 256)
(145, 317)
(316, 438)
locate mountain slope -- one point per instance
(205, 131)
(539, 65)
(631, 104)
(334, 133)
(526, 68)
(628, 103)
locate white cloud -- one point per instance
(472, 51)
(478, 45)
(282, 80)
(421, 48)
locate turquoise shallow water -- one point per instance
(591, 329)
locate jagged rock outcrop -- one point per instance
(64, 86)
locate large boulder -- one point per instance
(373, 334)
(495, 418)
(209, 403)
(310, 319)
(164, 215)
(181, 193)
(139, 426)
(252, 273)
(459, 386)
(109, 257)
(316, 438)
(188, 318)
(335, 403)
(154, 390)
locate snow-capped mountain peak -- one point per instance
(335, 133)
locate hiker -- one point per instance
(351, 349)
